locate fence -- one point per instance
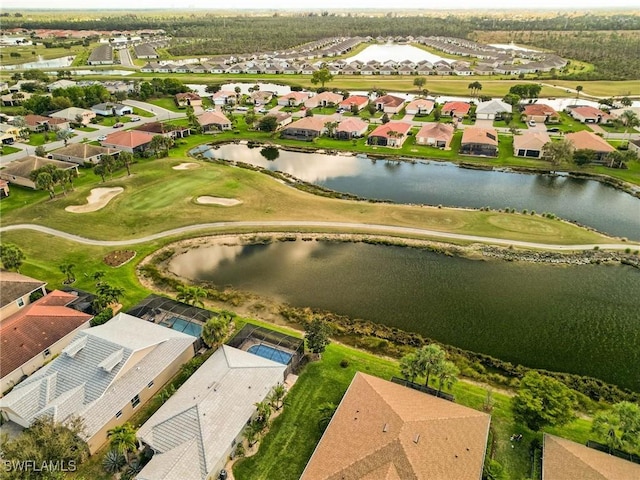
(423, 389)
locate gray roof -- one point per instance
(14, 285)
(198, 424)
(493, 106)
(85, 380)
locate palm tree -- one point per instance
(252, 432)
(263, 413)
(44, 181)
(430, 359)
(475, 87)
(113, 461)
(326, 410)
(191, 295)
(578, 90)
(123, 439)
(447, 375)
(126, 158)
(409, 367)
(215, 330)
(630, 120)
(67, 269)
(277, 396)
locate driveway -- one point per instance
(483, 123)
(125, 57)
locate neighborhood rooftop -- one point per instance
(14, 285)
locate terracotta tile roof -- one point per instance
(187, 96)
(382, 430)
(129, 138)
(354, 100)
(589, 141)
(36, 327)
(383, 130)
(460, 108)
(298, 96)
(531, 141)
(24, 166)
(591, 112)
(539, 109)
(352, 125)
(14, 285)
(439, 131)
(486, 136)
(566, 460)
(420, 103)
(34, 120)
(308, 123)
(213, 118)
(390, 100)
(159, 128)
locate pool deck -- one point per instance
(250, 342)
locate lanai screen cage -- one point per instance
(172, 314)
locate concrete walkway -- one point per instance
(343, 226)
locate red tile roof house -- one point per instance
(132, 141)
(306, 128)
(35, 334)
(436, 135)
(389, 103)
(18, 171)
(420, 106)
(16, 290)
(392, 134)
(214, 121)
(165, 129)
(480, 142)
(38, 123)
(584, 140)
(590, 115)
(282, 118)
(385, 431)
(324, 99)
(351, 128)
(360, 101)
(188, 99)
(541, 113)
(530, 144)
(456, 109)
(293, 99)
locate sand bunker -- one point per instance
(226, 202)
(186, 166)
(98, 199)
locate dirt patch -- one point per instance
(97, 199)
(186, 166)
(225, 202)
(118, 258)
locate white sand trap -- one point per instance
(226, 202)
(98, 199)
(186, 166)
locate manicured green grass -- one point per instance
(612, 128)
(142, 113)
(568, 124)
(111, 121)
(30, 53)
(324, 110)
(166, 103)
(516, 122)
(37, 139)
(7, 149)
(86, 129)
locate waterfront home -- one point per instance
(588, 114)
(324, 99)
(584, 140)
(307, 128)
(530, 144)
(165, 129)
(419, 106)
(282, 118)
(293, 99)
(261, 97)
(224, 97)
(360, 101)
(18, 172)
(482, 142)
(391, 134)
(82, 153)
(132, 141)
(492, 109)
(436, 135)
(351, 128)
(214, 121)
(456, 109)
(541, 113)
(188, 99)
(389, 104)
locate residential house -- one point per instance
(188, 99)
(224, 97)
(101, 377)
(282, 118)
(457, 110)
(18, 171)
(389, 104)
(132, 141)
(540, 113)
(482, 142)
(82, 153)
(16, 291)
(563, 459)
(391, 134)
(8, 133)
(63, 83)
(492, 109)
(15, 99)
(38, 123)
(584, 140)
(360, 101)
(194, 432)
(36, 334)
(4, 189)
(293, 99)
(75, 115)
(530, 144)
(324, 99)
(436, 135)
(261, 97)
(634, 146)
(112, 109)
(307, 128)
(165, 129)
(101, 55)
(588, 114)
(210, 121)
(351, 128)
(382, 430)
(419, 106)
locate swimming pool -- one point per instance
(182, 325)
(271, 353)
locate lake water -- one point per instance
(511, 46)
(397, 53)
(580, 319)
(586, 201)
(265, 87)
(44, 64)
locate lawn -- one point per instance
(7, 149)
(568, 124)
(142, 113)
(41, 138)
(86, 129)
(111, 121)
(30, 53)
(166, 103)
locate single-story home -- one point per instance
(584, 140)
(307, 128)
(109, 109)
(391, 134)
(382, 430)
(188, 99)
(563, 459)
(541, 113)
(14, 99)
(82, 153)
(588, 114)
(101, 377)
(9, 133)
(196, 430)
(16, 291)
(37, 333)
(293, 99)
(482, 142)
(38, 123)
(214, 121)
(419, 106)
(63, 83)
(530, 144)
(18, 171)
(436, 135)
(456, 109)
(75, 115)
(261, 97)
(132, 141)
(351, 128)
(634, 146)
(165, 129)
(282, 118)
(360, 101)
(389, 103)
(323, 99)
(492, 109)
(224, 97)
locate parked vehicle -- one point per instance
(102, 138)
(135, 119)
(118, 125)
(532, 123)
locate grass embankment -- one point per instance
(166, 103)
(32, 53)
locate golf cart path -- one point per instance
(373, 228)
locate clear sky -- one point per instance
(183, 5)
